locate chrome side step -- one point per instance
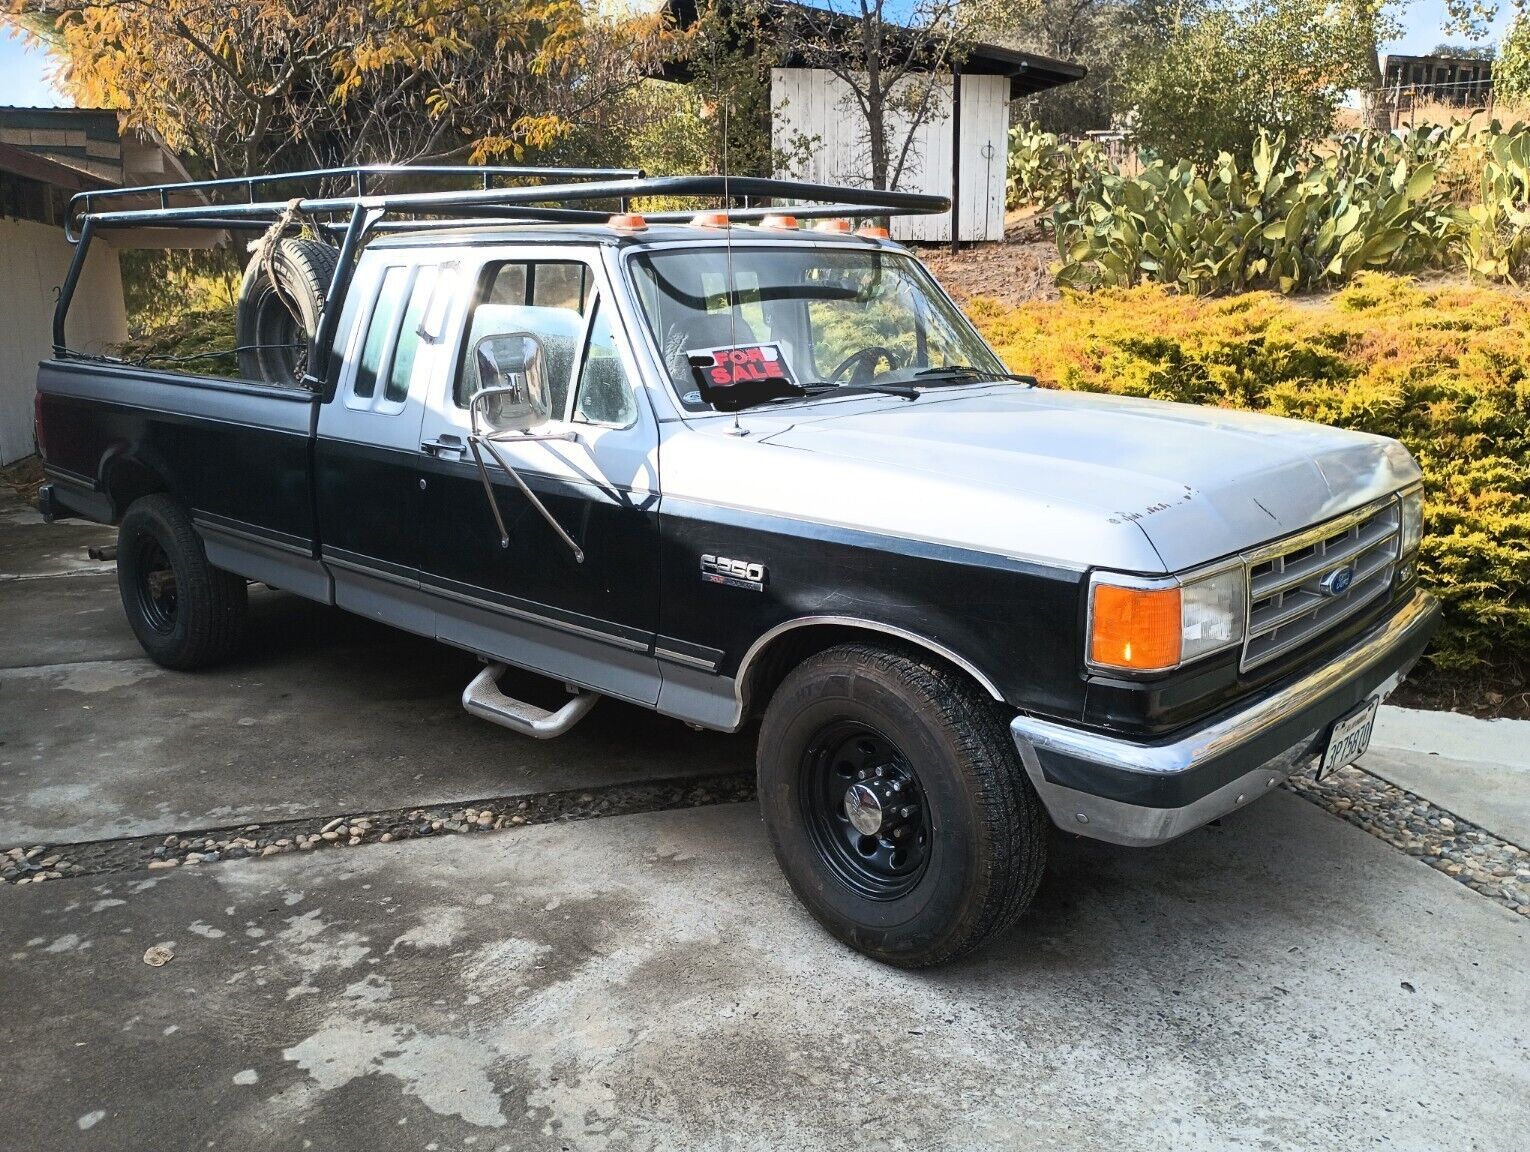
(484, 699)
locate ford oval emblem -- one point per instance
(1337, 582)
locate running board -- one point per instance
(484, 699)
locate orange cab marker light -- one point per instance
(840, 226)
(1137, 629)
(710, 220)
(779, 222)
(631, 221)
(874, 232)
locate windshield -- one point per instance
(843, 317)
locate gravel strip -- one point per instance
(37, 863)
(1485, 863)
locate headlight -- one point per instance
(1412, 521)
(1153, 625)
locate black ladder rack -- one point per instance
(560, 195)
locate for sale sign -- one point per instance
(742, 374)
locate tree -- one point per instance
(1511, 72)
(891, 70)
(1098, 34)
(730, 53)
(248, 85)
(1225, 72)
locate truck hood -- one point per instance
(1195, 483)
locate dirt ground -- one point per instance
(1012, 273)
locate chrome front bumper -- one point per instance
(1142, 794)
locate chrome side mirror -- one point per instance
(512, 404)
(512, 395)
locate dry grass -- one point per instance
(1438, 112)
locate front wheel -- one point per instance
(186, 613)
(897, 806)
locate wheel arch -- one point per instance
(126, 478)
(786, 645)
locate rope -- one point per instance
(265, 248)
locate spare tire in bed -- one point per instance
(274, 323)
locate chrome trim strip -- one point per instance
(430, 588)
(612, 638)
(682, 658)
(1221, 737)
(741, 677)
(1317, 532)
(376, 573)
(204, 524)
(65, 476)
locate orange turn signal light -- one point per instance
(842, 227)
(710, 220)
(1135, 629)
(874, 231)
(779, 222)
(630, 221)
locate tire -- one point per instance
(272, 337)
(973, 838)
(186, 613)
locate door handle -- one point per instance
(443, 445)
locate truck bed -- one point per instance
(237, 454)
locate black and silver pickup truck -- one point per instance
(742, 467)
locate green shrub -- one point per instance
(1446, 370)
(1438, 197)
(1044, 169)
(1372, 203)
(1497, 241)
(200, 341)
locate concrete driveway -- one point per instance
(645, 980)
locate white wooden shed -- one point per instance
(960, 149)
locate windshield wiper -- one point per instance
(966, 373)
(824, 388)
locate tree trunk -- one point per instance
(1376, 101)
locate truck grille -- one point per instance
(1294, 593)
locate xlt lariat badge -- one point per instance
(733, 573)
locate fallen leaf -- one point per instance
(158, 956)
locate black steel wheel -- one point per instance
(897, 805)
(865, 810)
(185, 612)
(154, 584)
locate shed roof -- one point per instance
(1029, 73)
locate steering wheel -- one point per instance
(864, 362)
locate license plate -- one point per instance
(1349, 738)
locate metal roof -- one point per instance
(1029, 72)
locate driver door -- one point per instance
(528, 599)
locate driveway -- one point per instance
(583, 944)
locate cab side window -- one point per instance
(605, 393)
(385, 358)
(547, 298)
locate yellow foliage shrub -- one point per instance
(1444, 369)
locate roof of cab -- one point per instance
(653, 234)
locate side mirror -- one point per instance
(512, 391)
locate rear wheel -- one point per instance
(186, 613)
(897, 805)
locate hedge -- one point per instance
(1443, 368)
